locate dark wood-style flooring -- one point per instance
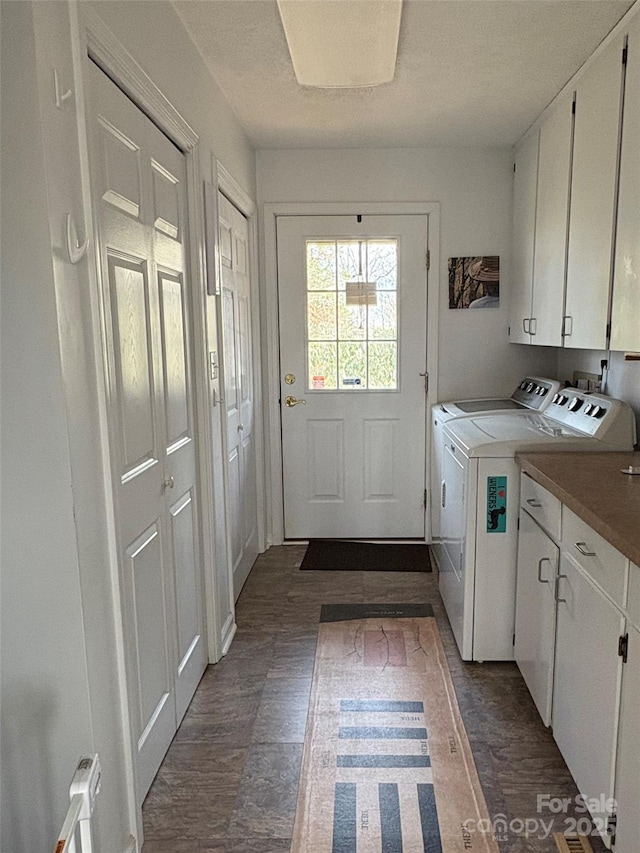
(229, 781)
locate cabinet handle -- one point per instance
(567, 326)
(534, 503)
(540, 562)
(525, 328)
(533, 325)
(443, 494)
(558, 599)
(582, 548)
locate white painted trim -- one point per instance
(621, 27)
(228, 634)
(105, 49)
(271, 350)
(237, 196)
(228, 185)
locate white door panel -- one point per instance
(552, 218)
(535, 630)
(525, 183)
(593, 199)
(141, 180)
(239, 389)
(354, 450)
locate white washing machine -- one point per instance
(533, 393)
(481, 490)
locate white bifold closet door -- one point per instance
(139, 187)
(242, 502)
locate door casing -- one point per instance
(271, 349)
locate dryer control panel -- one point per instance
(593, 414)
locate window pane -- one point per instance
(321, 316)
(382, 263)
(321, 265)
(352, 320)
(383, 366)
(383, 322)
(349, 267)
(353, 365)
(323, 365)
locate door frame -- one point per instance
(93, 40)
(229, 187)
(273, 421)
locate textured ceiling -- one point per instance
(469, 72)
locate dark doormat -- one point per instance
(343, 556)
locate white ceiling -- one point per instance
(469, 72)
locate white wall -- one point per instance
(474, 189)
(45, 704)
(623, 379)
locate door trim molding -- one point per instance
(273, 422)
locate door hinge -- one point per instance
(623, 647)
(514, 167)
(573, 106)
(513, 642)
(612, 824)
(428, 259)
(625, 53)
(518, 523)
(608, 332)
(424, 499)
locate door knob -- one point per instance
(290, 402)
(170, 483)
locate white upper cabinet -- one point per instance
(552, 220)
(524, 218)
(593, 200)
(625, 317)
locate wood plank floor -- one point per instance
(229, 781)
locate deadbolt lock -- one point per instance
(289, 379)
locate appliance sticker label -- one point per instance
(496, 504)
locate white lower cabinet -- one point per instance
(534, 645)
(587, 684)
(627, 790)
(577, 644)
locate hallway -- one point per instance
(229, 781)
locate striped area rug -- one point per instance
(387, 766)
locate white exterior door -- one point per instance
(140, 191)
(238, 389)
(353, 319)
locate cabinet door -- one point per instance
(625, 317)
(536, 612)
(628, 769)
(524, 220)
(586, 682)
(552, 221)
(593, 198)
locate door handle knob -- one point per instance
(170, 483)
(240, 427)
(290, 402)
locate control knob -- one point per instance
(575, 404)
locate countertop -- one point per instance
(592, 486)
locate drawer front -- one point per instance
(604, 564)
(541, 505)
(633, 604)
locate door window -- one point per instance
(352, 314)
